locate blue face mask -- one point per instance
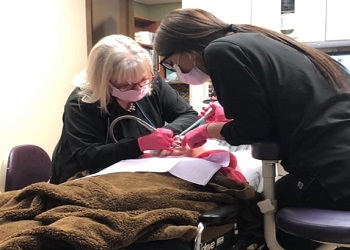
(194, 77)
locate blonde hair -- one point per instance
(115, 58)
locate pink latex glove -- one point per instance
(217, 115)
(196, 137)
(161, 139)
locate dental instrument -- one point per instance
(206, 114)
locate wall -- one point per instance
(42, 46)
(154, 12)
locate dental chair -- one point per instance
(216, 230)
(219, 222)
(329, 227)
(221, 227)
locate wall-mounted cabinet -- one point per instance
(230, 11)
(314, 20)
(322, 20)
(308, 23)
(267, 14)
(338, 20)
(310, 20)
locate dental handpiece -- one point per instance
(140, 121)
(206, 114)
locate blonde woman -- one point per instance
(119, 81)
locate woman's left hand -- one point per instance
(196, 137)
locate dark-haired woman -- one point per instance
(272, 88)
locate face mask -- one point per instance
(194, 77)
(130, 95)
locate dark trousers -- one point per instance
(304, 191)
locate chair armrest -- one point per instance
(266, 151)
(220, 215)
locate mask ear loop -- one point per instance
(196, 55)
(194, 61)
(178, 59)
(191, 57)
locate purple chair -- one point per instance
(329, 227)
(26, 164)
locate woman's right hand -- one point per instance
(160, 139)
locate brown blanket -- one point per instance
(110, 211)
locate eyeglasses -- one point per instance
(130, 86)
(167, 65)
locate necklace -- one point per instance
(131, 107)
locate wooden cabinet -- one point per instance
(107, 17)
(143, 24)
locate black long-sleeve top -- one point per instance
(86, 144)
(275, 93)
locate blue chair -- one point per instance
(329, 227)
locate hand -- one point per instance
(196, 137)
(217, 115)
(161, 139)
(179, 151)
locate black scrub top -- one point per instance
(86, 144)
(275, 93)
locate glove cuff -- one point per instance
(204, 131)
(141, 144)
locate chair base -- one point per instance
(222, 242)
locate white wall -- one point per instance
(42, 46)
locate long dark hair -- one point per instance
(187, 29)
